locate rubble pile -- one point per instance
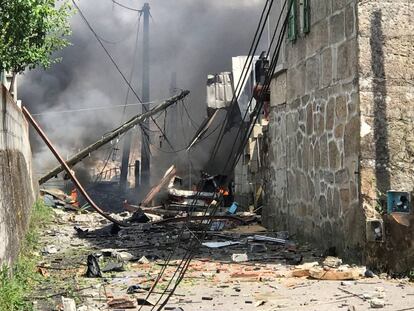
(238, 264)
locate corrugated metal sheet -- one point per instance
(220, 90)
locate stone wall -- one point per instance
(386, 70)
(312, 186)
(17, 190)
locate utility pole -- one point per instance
(145, 148)
(123, 181)
(124, 128)
(126, 150)
(172, 128)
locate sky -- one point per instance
(190, 37)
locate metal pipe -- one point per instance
(68, 170)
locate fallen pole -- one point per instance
(68, 170)
(112, 135)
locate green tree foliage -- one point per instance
(30, 31)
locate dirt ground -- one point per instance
(213, 281)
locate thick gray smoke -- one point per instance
(191, 37)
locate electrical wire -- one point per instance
(186, 259)
(91, 109)
(264, 90)
(267, 80)
(112, 150)
(105, 49)
(125, 6)
(256, 40)
(118, 41)
(134, 56)
(114, 62)
(193, 123)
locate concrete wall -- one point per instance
(17, 191)
(313, 136)
(386, 70)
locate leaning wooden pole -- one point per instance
(76, 182)
(112, 135)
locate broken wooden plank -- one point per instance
(65, 166)
(170, 173)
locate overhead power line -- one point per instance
(106, 50)
(125, 6)
(90, 109)
(112, 59)
(184, 264)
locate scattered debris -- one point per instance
(68, 304)
(170, 173)
(43, 271)
(303, 270)
(81, 233)
(332, 262)
(377, 303)
(58, 199)
(144, 302)
(49, 250)
(369, 274)
(119, 255)
(115, 229)
(94, 270)
(233, 208)
(334, 274)
(259, 303)
(217, 225)
(294, 260)
(143, 260)
(121, 303)
(239, 257)
(114, 266)
(139, 217)
(134, 289)
(219, 244)
(263, 238)
(257, 248)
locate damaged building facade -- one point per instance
(340, 134)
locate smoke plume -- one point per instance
(190, 37)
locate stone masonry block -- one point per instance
(347, 60)
(326, 67)
(351, 137)
(337, 27)
(320, 9)
(278, 90)
(312, 73)
(338, 4)
(350, 20)
(341, 108)
(296, 82)
(296, 51)
(317, 38)
(330, 114)
(334, 156)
